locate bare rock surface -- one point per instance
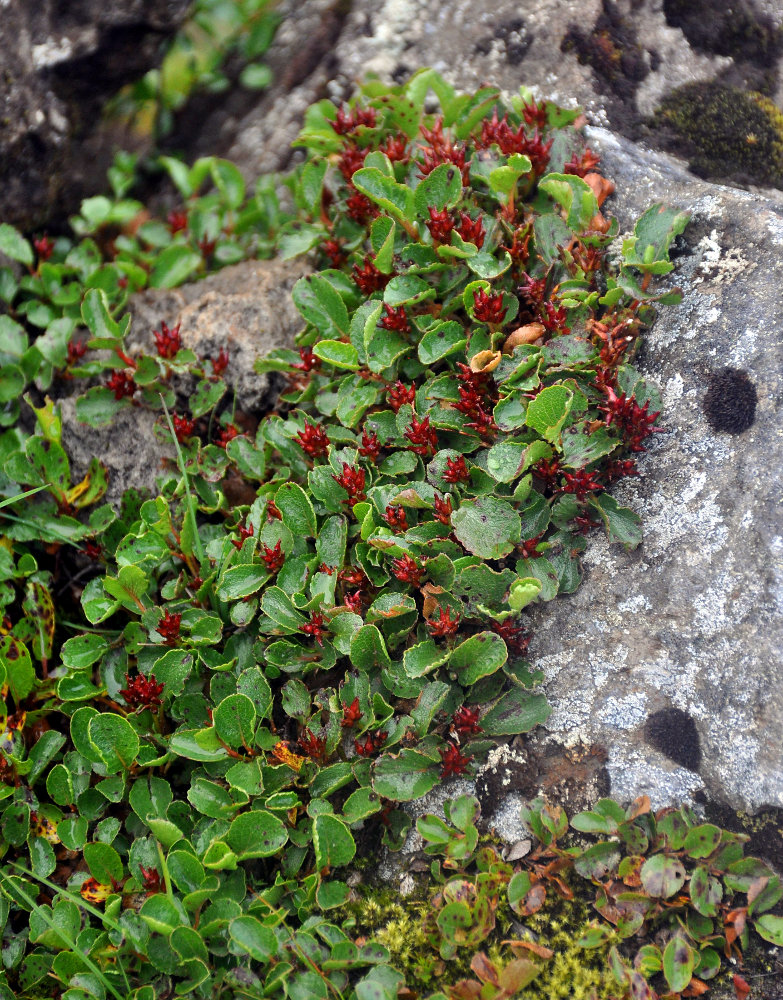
(246, 309)
(60, 62)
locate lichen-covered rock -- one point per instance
(61, 61)
(670, 655)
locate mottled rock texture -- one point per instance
(61, 61)
(670, 655)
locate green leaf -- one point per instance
(706, 892)
(14, 245)
(19, 673)
(104, 863)
(679, 961)
(81, 651)
(405, 776)
(702, 840)
(98, 407)
(442, 188)
(770, 928)
(97, 317)
(515, 712)
(440, 341)
(423, 658)
(396, 199)
(576, 197)
(407, 290)
(162, 914)
(479, 656)
(321, 304)
(546, 412)
(173, 266)
(508, 460)
(337, 353)
(621, 523)
(333, 842)
(487, 527)
(234, 720)
(12, 382)
(256, 834)
(114, 740)
(253, 937)
(297, 510)
(662, 875)
(368, 649)
(241, 581)
(581, 445)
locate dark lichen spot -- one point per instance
(730, 402)
(726, 29)
(611, 49)
(673, 733)
(725, 133)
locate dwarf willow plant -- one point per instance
(258, 685)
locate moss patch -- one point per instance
(726, 133)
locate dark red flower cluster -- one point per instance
(44, 248)
(555, 320)
(581, 483)
(351, 159)
(620, 467)
(168, 627)
(477, 396)
(220, 363)
(352, 481)
(359, 208)
(395, 319)
(207, 247)
(516, 638)
(398, 395)
(368, 278)
(634, 421)
(406, 570)
(488, 308)
(535, 114)
(354, 602)
(549, 473)
(471, 230)
(244, 531)
(501, 134)
(178, 222)
(312, 746)
(167, 341)
(395, 517)
(440, 225)
(316, 627)
(527, 549)
(142, 692)
(76, 349)
(456, 470)
(183, 427)
(226, 434)
(533, 290)
(442, 150)
(92, 550)
(122, 384)
(371, 745)
(396, 148)
(582, 164)
(453, 762)
(313, 440)
(423, 438)
(151, 883)
(370, 446)
(351, 714)
(308, 360)
(465, 722)
(273, 558)
(349, 119)
(444, 626)
(352, 576)
(334, 252)
(443, 509)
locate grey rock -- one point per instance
(61, 61)
(691, 620)
(247, 309)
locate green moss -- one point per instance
(725, 132)
(574, 973)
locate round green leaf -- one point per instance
(337, 353)
(662, 875)
(253, 937)
(487, 527)
(174, 265)
(479, 656)
(404, 776)
(706, 892)
(679, 961)
(234, 720)
(296, 509)
(114, 740)
(104, 863)
(256, 834)
(770, 928)
(333, 842)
